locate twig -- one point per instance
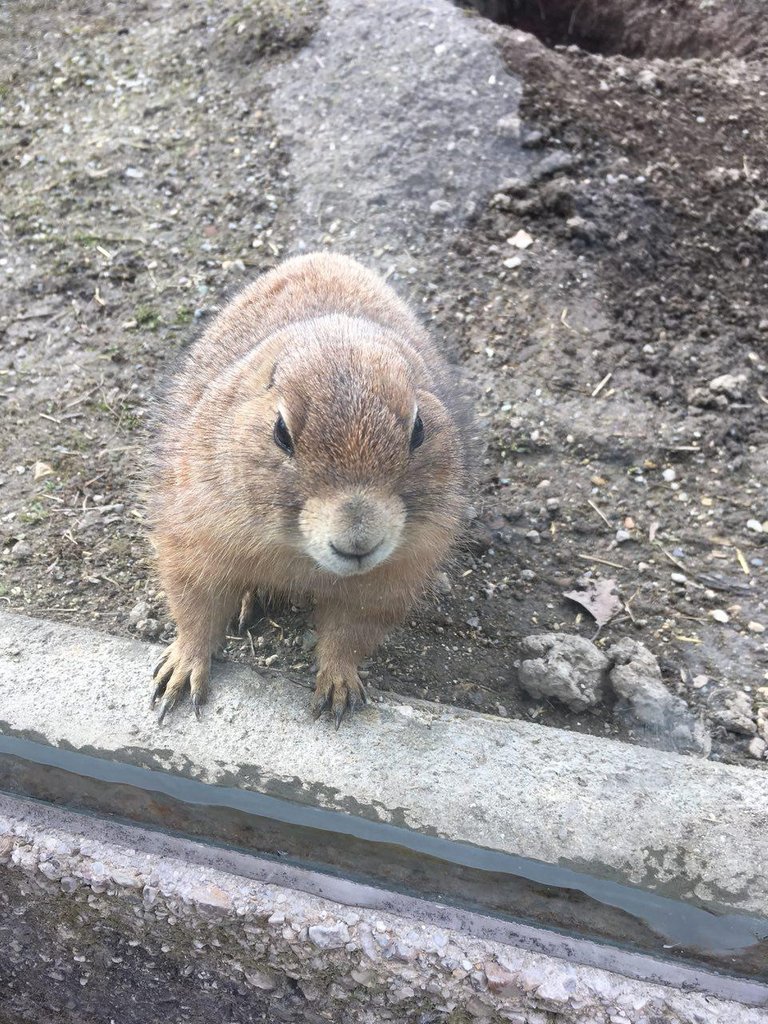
(602, 561)
(674, 561)
(628, 610)
(564, 322)
(601, 385)
(594, 506)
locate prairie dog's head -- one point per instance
(357, 451)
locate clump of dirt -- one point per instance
(638, 28)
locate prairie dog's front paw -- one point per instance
(178, 668)
(339, 691)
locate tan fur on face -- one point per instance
(352, 517)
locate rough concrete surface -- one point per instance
(95, 929)
(684, 827)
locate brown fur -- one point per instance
(329, 346)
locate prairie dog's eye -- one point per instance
(417, 434)
(282, 436)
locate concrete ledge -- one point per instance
(112, 919)
(592, 814)
(681, 826)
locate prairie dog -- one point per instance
(312, 445)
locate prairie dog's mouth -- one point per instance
(353, 533)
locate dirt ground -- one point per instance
(618, 360)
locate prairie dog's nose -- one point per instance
(362, 528)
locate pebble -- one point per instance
(553, 504)
(308, 641)
(755, 525)
(330, 936)
(732, 709)
(719, 615)
(527, 575)
(533, 536)
(755, 627)
(443, 584)
(729, 384)
(521, 240)
(757, 747)
(512, 262)
(21, 551)
(669, 475)
(139, 612)
(622, 536)
(271, 660)
(149, 628)
(440, 208)
(757, 220)
(678, 577)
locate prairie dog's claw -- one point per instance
(177, 670)
(341, 693)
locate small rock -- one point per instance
(729, 384)
(134, 172)
(553, 504)
(527, 575)
(473, 622)
(578, 227)
(521, 239)
(21, 551)
(440, 208)
(139, 612)
(329, 936)
(666, 720)
(261, 980)
(757, 220)
(532, 139)
(669, 475)
(533, 536)
(268, 662)
(308, 641)
(554, 162)
(755, 525)
(678, 577)
(755, 627)
(647, 80)
(566, 667)
(512, 262)
(733, 710)
(514, 186)
(622, 536)
(443, 584)
(40, 470)
(149, 628)
(757, 747)
(719, 615)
